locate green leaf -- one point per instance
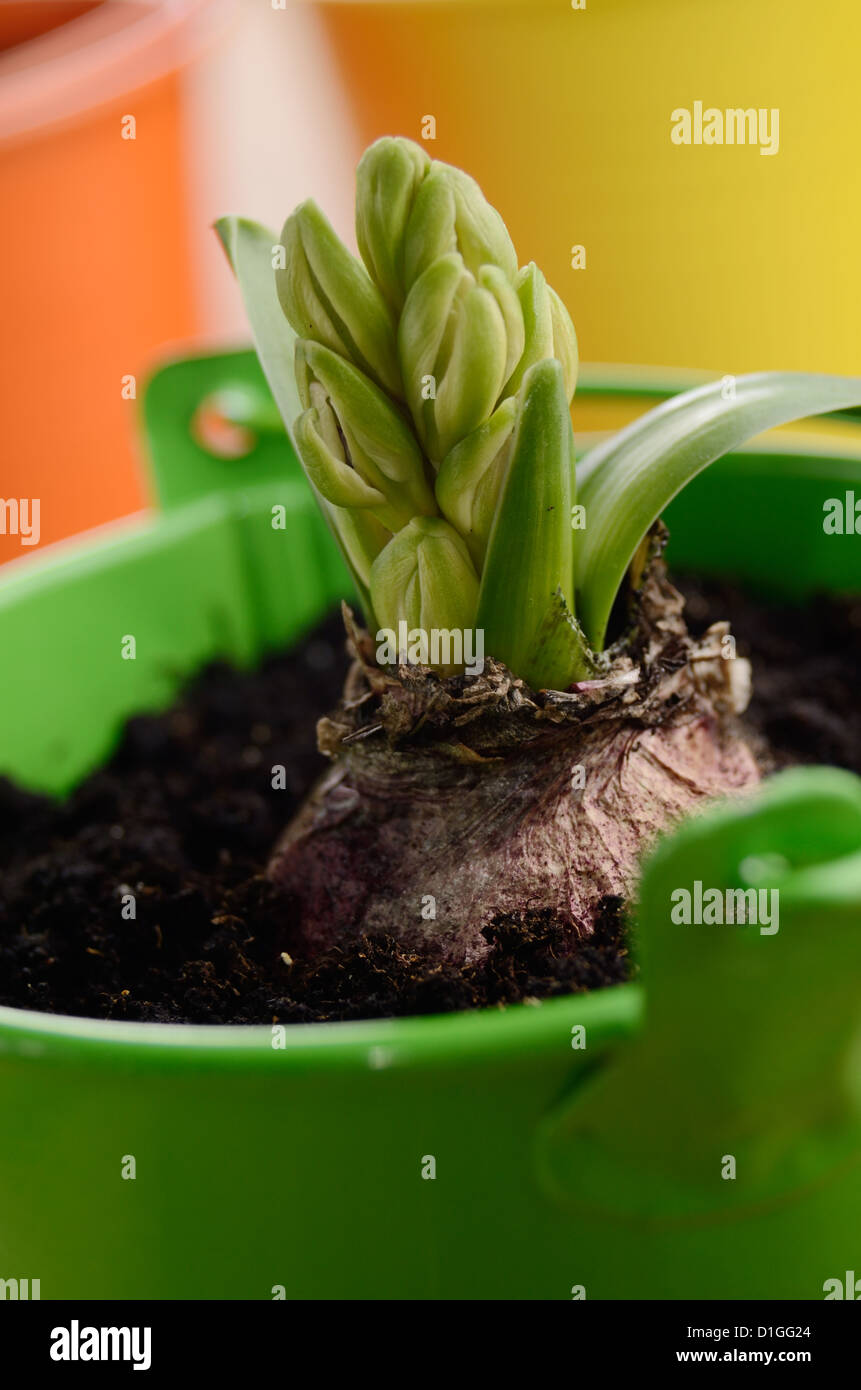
(249, 248)
(559, 648)
(625, 483)
(530, 554)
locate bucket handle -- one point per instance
(743, 1088)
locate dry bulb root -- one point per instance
(450, 802)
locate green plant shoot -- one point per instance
(427, 387)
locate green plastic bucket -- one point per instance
(579, 1147)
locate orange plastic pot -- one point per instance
(94, 267)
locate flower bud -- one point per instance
(453, 350)
(491, 278)
(450, 213)
(327, 295)
(534, 299)
(482, 236)
(327, 469)
(470, 478)
(425, 579)
(548, 330)
(387, 179)
(564, 342)
(381, 446)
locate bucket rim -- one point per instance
(433, 1040)
(96, 60)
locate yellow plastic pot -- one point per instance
(713, 255)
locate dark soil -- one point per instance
(806, 671)
(184, 818)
